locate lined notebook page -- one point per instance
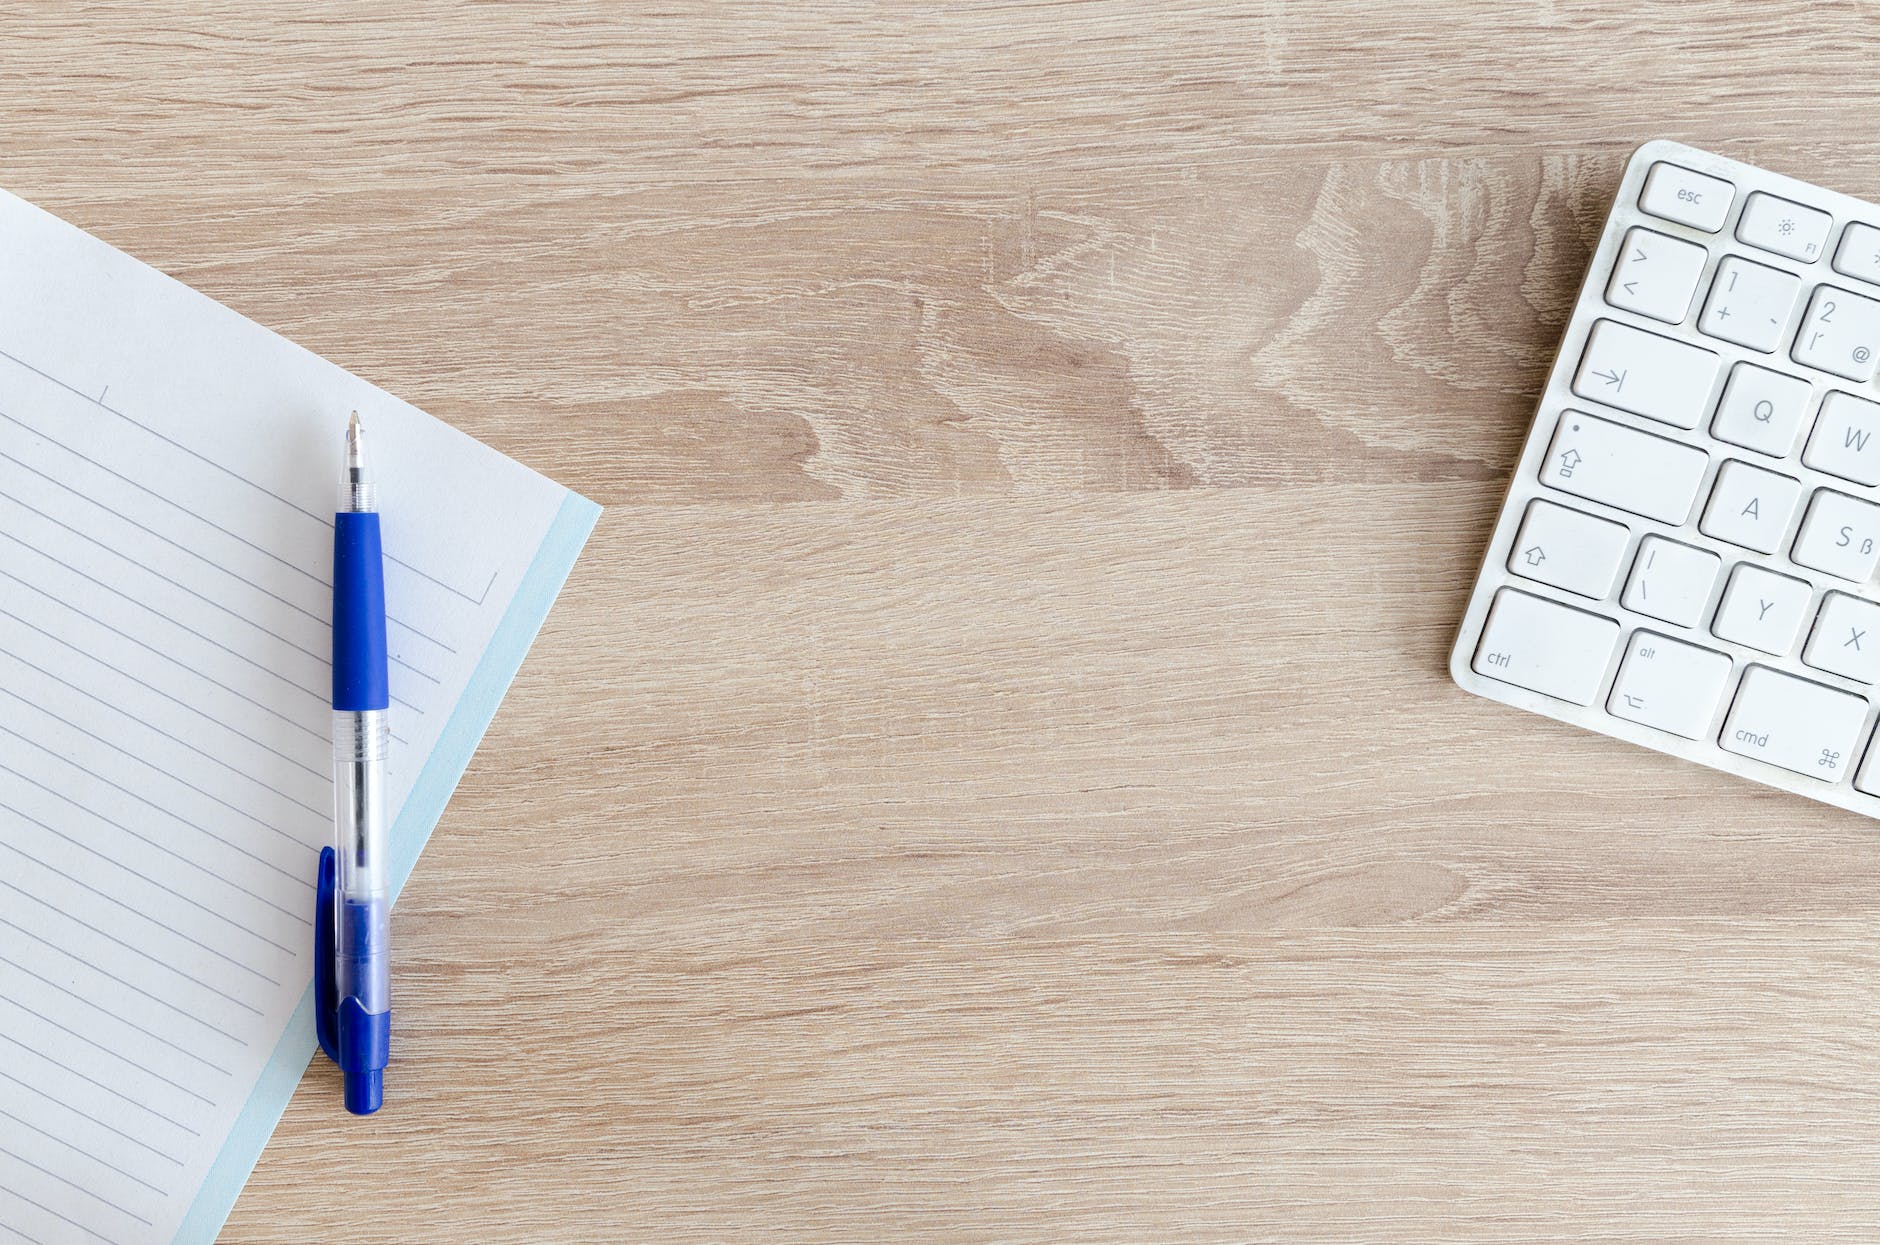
(168, 473)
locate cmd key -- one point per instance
(1800, 725)
(1646, 374)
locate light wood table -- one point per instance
(992, 775)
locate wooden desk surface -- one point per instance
(992, 775)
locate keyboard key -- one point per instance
(1846, 638)
(1568, 549)
(1552, 649)
(1762, 609)
(1846, 439)
(1671, 582)
(1868, 778)
(1840, 535)
(1646, 374)
(1656, 275)
(1668, 684)
(1840, 334)
(1750, 304)
(1761, 410)
(1859, 253)
(1676, 193)
(1649, 475)
(1793, 723)
(1750, 507)
(1773, 224)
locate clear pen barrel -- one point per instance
(362, 962)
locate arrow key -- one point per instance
(1569, 549)
(1656, 275)
(1668, 684)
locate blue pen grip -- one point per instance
(359, 678)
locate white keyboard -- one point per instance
(1686, 556)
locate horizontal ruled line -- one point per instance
(10, 1191)
(140, 875)
(93, 1194)
(77, 1149)
(148, 725)
(201, 557)
(119, 1055)
(154, 612)
(130, 947)
(180, 703)
(120, 1095)
(160, 1001)
(178, 818)
(127, 907)
(204, 519)
(142, 1145)
(183, 782)
(88, 616)
(105, 1011)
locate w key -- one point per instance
(1646, 374)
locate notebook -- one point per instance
(168, 473)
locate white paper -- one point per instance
(168, 473)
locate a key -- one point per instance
(1568, 549)
(1840, 535)
(1846, 439)
(1749, 304)
(1548, 648)
(1791, 722)
(1670, 581)
(1761, 410)
(1690, 198)
(1846, 638)
(1762, 609)
(1646, 374)
(1750, 507)
(1839, 334)
(1668, 684)
(1656, 275)
(1859, 253)
(1786, 228)
(1623, 467)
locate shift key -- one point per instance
(1635, 471)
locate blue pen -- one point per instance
(352, 927)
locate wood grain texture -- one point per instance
(992, 776)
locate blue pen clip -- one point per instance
(358, 1041)
(325, 978)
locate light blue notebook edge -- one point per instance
(535, 596)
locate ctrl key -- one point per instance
(1548, 648)
(1790, 722)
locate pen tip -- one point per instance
(355, 443)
